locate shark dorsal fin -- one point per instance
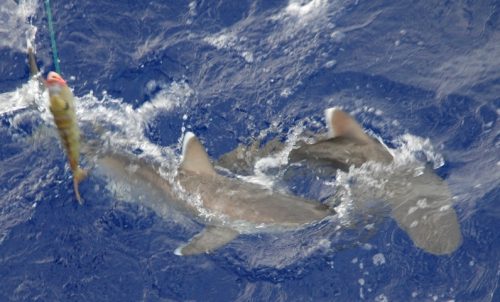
(194, 156)
(341, 124)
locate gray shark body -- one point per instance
(339, 153)
(329, 152)
(221, 202)
(421, 204)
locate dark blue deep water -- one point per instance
(146, 71)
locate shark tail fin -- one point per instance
(342, 124)
(194, 156)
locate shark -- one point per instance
(420, 203)
(345, 145)
(222, 203)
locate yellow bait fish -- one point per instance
(62, 107)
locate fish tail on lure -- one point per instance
(62, 107)
(79, 174)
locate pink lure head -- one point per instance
(53, 78)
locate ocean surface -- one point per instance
(421, 76)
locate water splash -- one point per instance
(15, 24)
(28, 95)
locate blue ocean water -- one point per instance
(423, 77)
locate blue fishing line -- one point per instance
(52, 37)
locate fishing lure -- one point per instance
(62, 107)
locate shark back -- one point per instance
(347, 144)
(340, 153)
(240, 200)
(142, 177)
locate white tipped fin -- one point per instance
(210, 239)
(342, 124)
(194, 156)
(425, 212)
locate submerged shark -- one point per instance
(222, 203)
(420, 203)
(345, 145)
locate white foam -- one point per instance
(248, 56)
(409, 145)
(330, 64)
(262, 165)
(337, 36)
(192, 8)
(149, 45)
(169, 97)
(16, 27)
(381, 298)
(29, 94)
(221, 40)
(299, 9)
(230, 40)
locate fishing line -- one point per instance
(52, 37)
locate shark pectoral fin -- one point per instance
(194, 156)
(436, 231)
(342, 124)
(210, 239)
(426, 214)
